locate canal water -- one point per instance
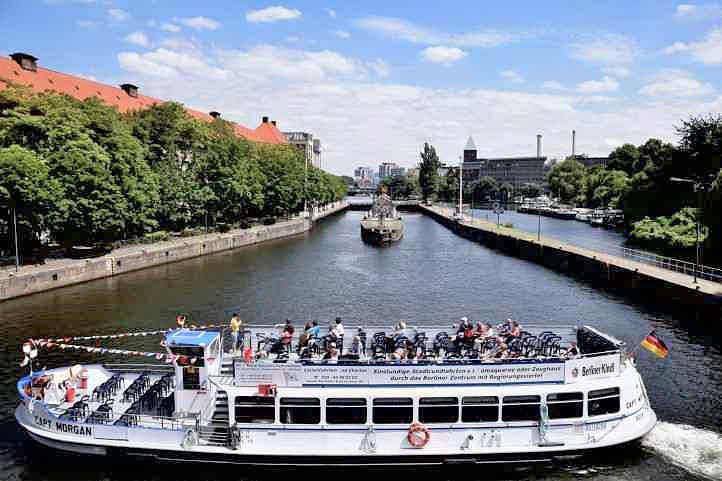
(430, 276)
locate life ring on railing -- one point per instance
(419, 435)
(181, 320)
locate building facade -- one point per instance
(385, 169)
(363, 173)
(507, 170)
(305, 142)
(397, 171)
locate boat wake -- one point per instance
(696, 450)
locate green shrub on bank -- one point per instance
(675, 233)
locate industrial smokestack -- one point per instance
(574, 143)
(538, 146)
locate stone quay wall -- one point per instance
(66, 272)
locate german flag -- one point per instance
(654, 344)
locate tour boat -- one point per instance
(411, 396)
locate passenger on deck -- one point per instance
(315, 329)
(339, 327)
(331, 352)
(572, 351)
(502, 352)
(304, 337)
(330, 338)
(235, 331)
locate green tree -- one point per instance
(530, 189)
(428, 169)
(566, 179)
(624, 158)
(24, 187)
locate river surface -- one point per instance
(430, 276)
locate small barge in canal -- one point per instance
(382, 225)
(409, 396)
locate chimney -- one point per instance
(574, 143)
(273, 122)
(538, 146)
(264, 120)
(130, 89)
(26, 61)
(215, 115)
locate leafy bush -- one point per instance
(157, 236)
(245, 224)
(677, 232)
(269, 220)
(222, 227)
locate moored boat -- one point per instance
(405, 396)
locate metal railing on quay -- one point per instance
(691, 269)
(132, 367)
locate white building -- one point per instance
(307, 144)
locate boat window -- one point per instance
(393, 410)
(300, 410)
(603, 401)
(346, 410)
(565, 405)
(255, 409)
(476, 409)
(520, 408)
(439, 409)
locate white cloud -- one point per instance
(512, 76)
(553, 85)
(606, 84)
(380, 67)
(443, 55)
(273, 14)
(404, 30)
(199, 23)
(698, 12)
(676, 83)
(331, 12)
(707, 51)
(357, 116)
(606, 50)
(86, 24)
(343, 34)
(177, 43)
(170, 27)
(118, 15)
(136, 63)
(138, 38)
(617, 71)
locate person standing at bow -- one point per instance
(236, 324)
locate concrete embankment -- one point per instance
(65, 272)
(644, 280)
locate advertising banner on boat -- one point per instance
(597, 367)
(395, 375)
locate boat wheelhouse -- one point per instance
(549, 393)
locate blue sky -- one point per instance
(374, 80)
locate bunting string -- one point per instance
(65, 343)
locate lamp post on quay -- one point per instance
(699, 185)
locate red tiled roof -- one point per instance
(80, 88)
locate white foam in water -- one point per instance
(696, 450)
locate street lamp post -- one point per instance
(15, 229)
(699, 185)
(461, 174)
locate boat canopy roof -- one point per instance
(190, 337)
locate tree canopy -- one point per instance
(85, 173)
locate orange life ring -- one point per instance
(414, 439)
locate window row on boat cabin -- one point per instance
(428, 410)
